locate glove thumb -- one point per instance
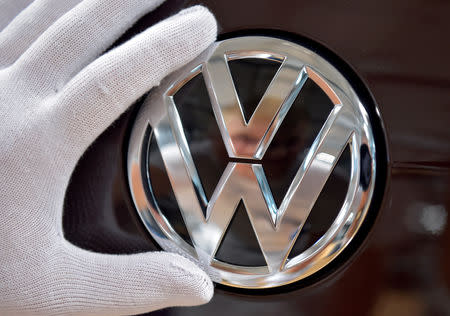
(104, 284)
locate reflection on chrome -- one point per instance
(276, 228)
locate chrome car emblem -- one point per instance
(244, 179)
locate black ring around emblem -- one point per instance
(382, 158)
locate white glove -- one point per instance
(9, 9)
(56, 96)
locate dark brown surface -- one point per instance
(401, 50)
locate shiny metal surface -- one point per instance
(276, 229)
(270, 111)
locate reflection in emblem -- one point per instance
(244, 180)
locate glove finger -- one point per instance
(10, 9)
(101, 284)
(29, 25)
(77, 38)
(103, 90)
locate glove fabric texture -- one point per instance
(57, 94)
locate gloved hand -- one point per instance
(57, 94)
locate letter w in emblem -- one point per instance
(276, 229)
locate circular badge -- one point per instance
(257, 160)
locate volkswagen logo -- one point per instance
(163, 129)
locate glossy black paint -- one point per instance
(400, 50)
